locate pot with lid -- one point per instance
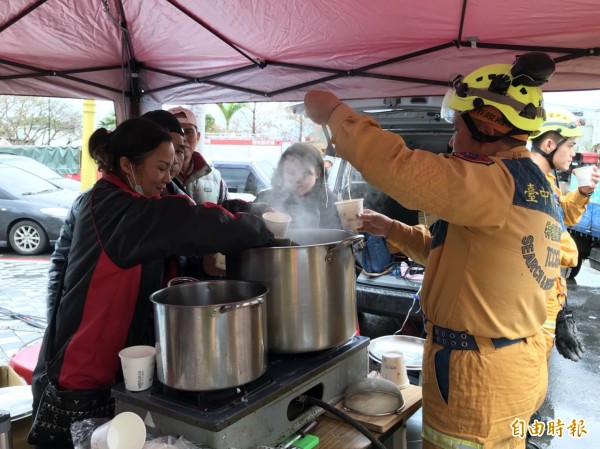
(210, 335)
(311, 303)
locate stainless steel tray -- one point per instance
(411, 347)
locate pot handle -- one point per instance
(224, 309)
(353, 240)
(181, 280)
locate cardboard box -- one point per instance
(19, 428)
(19, 432)
(8, 377)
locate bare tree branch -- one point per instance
(37, 120)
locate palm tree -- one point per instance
(109, 121)
(228, 109)
(209, 123)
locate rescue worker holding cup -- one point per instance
(553, 148)
(491, 259)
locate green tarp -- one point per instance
(64, 160)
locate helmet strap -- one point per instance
(548, 156)
(556, 179)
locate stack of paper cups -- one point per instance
(393, 368)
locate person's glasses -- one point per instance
(190, 131)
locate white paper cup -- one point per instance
(277, 223)
(220, 261)
(393, 368)
(124, 431)
(348, 211)
(138, 367)
(584, 175)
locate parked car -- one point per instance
(245, 178)
(37, 168)
(32, 210)
(418, 121)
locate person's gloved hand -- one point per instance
(567, 342)
(319, 105)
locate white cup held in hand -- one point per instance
(124, 431)
(348, 211)
(220, 261)
(393, 368)
(138, 367)
(277, 223)
(584, 175)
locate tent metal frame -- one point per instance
(132, 68)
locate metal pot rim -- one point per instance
(241, 302)
(342, 235)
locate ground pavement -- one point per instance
(23, 285)
(572, 391)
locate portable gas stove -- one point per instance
(264, 411)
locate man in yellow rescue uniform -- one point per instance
(491, 259)
(552, 149)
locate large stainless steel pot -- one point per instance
(210, 335)
(311, 304)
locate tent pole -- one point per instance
(88, 166)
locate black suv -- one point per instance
(418, 121)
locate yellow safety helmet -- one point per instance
(512, 89)
(559, 121)
(562, 122)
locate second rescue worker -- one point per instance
(553, 149)
(490, 260)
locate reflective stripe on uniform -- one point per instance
(446, 441)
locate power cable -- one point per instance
(344, 416)
(33, 321)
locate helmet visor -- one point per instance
(447, 112)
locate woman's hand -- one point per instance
(375, 223)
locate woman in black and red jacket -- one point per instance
(124, 231)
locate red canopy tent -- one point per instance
(199, 51)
